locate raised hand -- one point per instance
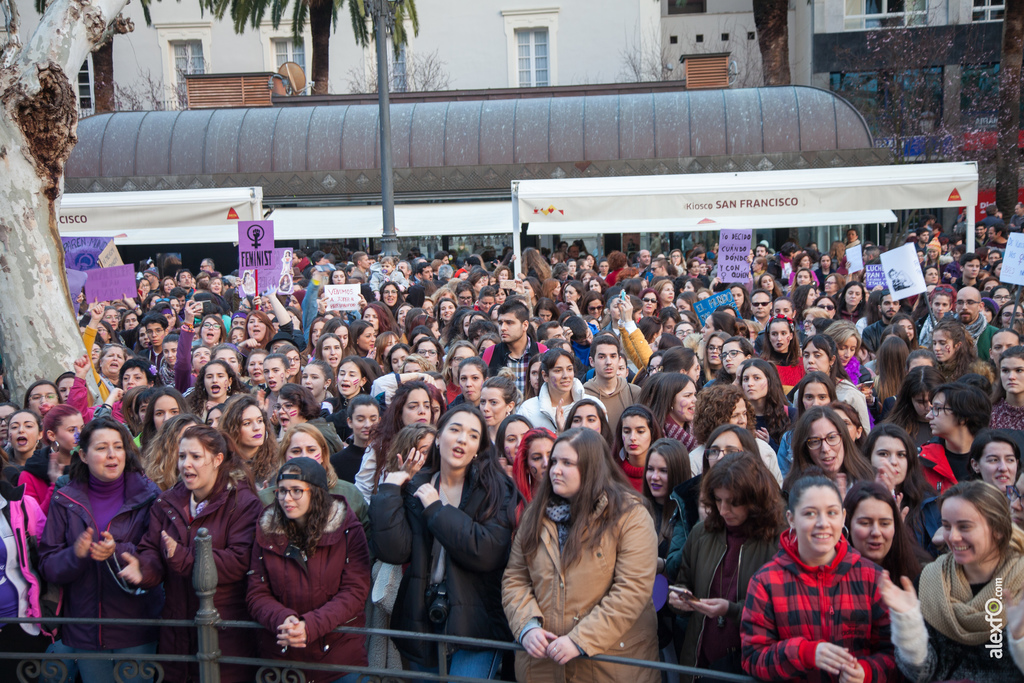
(132, 572)
(897, 599)
(170, 545)
(887, 475)
(102, 551)
(96, 311)
(83, 543)
(82, 367)
(427, 495)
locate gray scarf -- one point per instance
(977, 327)
(559, 512)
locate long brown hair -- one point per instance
(160, 459)
(590, 520)
(306, 536)
(854, 465)
(749, 481)
(900, 560)
(262, 464)
(963, 355)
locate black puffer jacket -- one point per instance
(403, 531)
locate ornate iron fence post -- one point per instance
(204, 580)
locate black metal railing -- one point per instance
(51, 667)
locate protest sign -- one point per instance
(903, 274)
(342, 297)
(854, 260)
(874, 276)
(1013, 260)
(86, 253)
(733, 250)
(706, 307)
(76, 282)
(255, 245)
(110, 284)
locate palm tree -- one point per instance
(322, 16)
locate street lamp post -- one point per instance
(384, 23)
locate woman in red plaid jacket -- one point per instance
(815, 612)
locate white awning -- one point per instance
(411, 220)
(161, 217)
(759, 194)
(795, 220)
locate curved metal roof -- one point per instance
(465, 145)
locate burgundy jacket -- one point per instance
(326, 590)
(230, 516)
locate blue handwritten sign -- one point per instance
(706, 307)
(874, 276)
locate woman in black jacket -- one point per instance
(452, 523)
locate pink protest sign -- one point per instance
(110, 284)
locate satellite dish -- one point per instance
(289, 80)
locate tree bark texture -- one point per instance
(771, 18)
(39, 334)
(103, 77)
(1007, 152)
(320, 12)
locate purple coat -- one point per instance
(89, 587)
(230, 516)
(327, 590)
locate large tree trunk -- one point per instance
(771, 18)
(103, 77)
(39, 335)
(1007, 152)
(320, 12)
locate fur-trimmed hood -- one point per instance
(270, 533)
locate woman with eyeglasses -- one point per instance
(958, 413)
(815, 611)
(723, 441)
(722, 404)
(310, 573)
(947, 628)
(822, 440)
(739, 536)
(215, 493)
(102, 512)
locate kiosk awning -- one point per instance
(161, 217)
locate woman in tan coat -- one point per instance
(580, 578)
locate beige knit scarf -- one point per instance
(948, 604)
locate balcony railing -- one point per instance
(51, 667)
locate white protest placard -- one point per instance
(854, 260)
(903, 274)
(1013, 260)
(342, 297)
(733, 250)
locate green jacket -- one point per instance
(700, 558)
(984, 342)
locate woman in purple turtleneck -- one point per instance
(102, 513)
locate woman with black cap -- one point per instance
(310, 573)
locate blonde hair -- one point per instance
(325, 450)
(422, 361)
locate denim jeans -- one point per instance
(102, 670)
(468, 663)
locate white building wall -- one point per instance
(471, 38)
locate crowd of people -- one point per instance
(816, 481)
